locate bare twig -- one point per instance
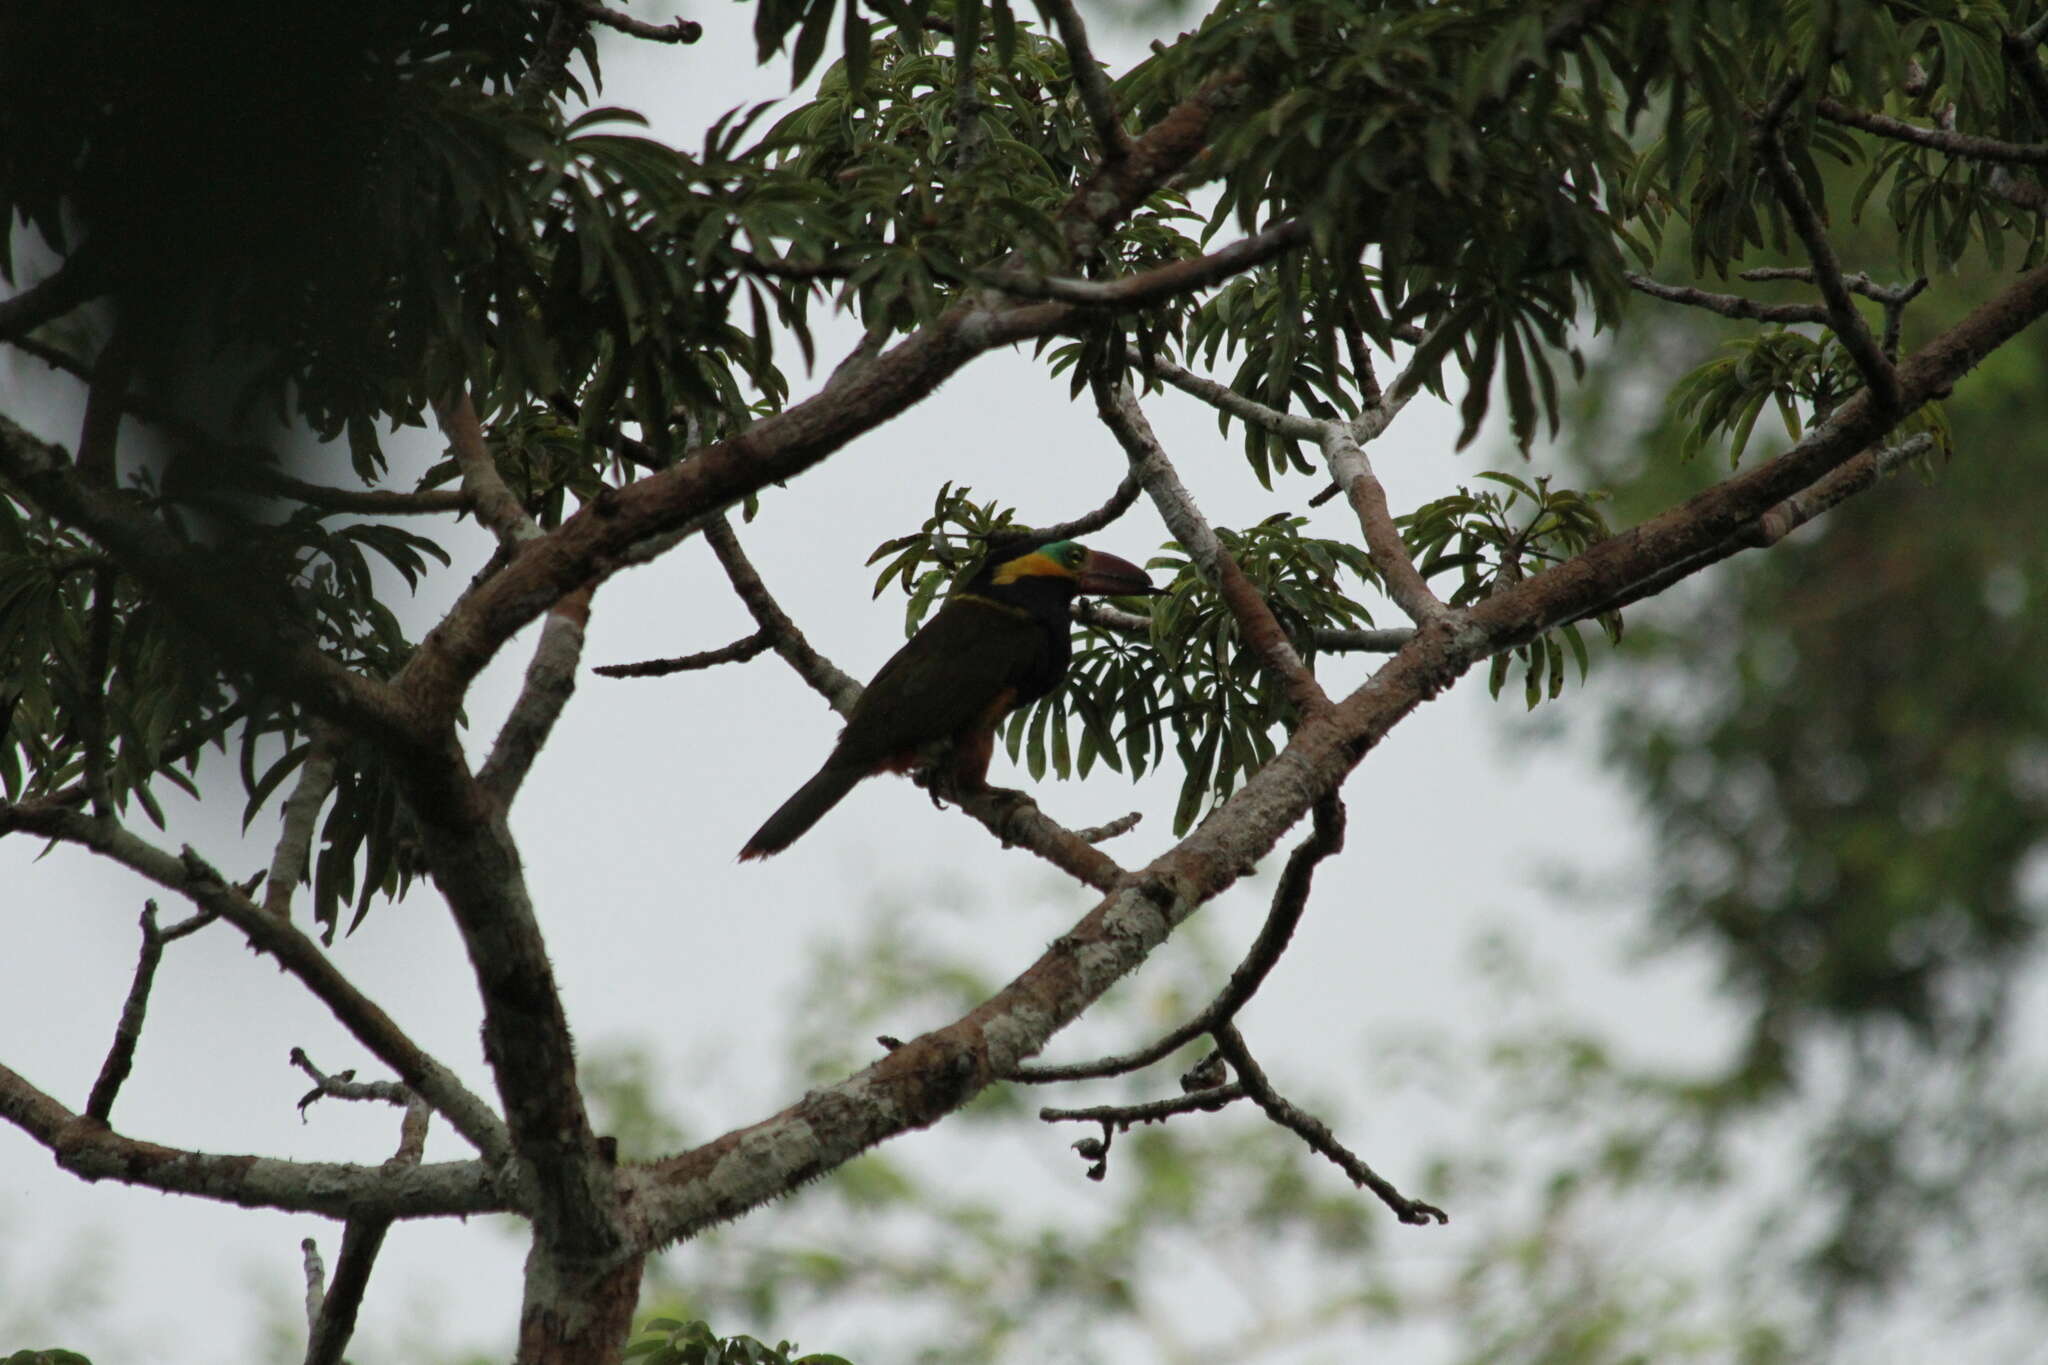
(1893, 298)
(1096, 96)
(344, 1086)
(188, 875)
(333, 1319)
(121, 1056)
(92, 1151)
(1727, 305)
(288, 863)
(679, 31)
(1125, 1116)
(1119, 503)
(1290, 899)
(1848, 324)
(1161, 281)
(1256, 624)
(1227, 399)
(1316, 1134)
(1940, 139)
(2023, 54)
(316, 1283)
(739, 651)
(814, 668)
(1096, 834)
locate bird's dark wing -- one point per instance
(972, 659)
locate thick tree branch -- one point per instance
(294, 951)
(91, 1151)
(1316, 1134)
(1256, 624)
(128, 1032)
(1290, 900)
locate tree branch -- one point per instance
(1941, 140)
(495, 505)
(1848, 324)
(71, 284)
(1256, 624)
(1161, 281)
(1728, 305)
(929, 1077)
(1089, 79)
(1290, 900)
(824, 678)
(1316, 1134)
(1352, 471)
(1090, 522)
(1226, 399)
(294, 951)
(679, 31)
(121, 1056)
(293, 855)
(550, 682)
(91, 1151)
(739, 651)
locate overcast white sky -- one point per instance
(631, 820)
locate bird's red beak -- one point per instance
(1113, 577)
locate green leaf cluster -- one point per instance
(1490, 538)
(670, 1341)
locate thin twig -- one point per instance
(1256, 624)
(679, 31)
(1848, 324)
(1226, 399)
(1727, 305)
(739, 651)
(2024, 56)
(1123, 824)
(1940, 139)
(1316, 1134)
(1090, 522)
(1893, 298)
(316, 1283)
(1290, 899)
(1161, 281)
(333, 1321)
(814, 668)
(128, 1032)
(1090, 79)
(190, 876)
(344, 1086)
(1154, 1111)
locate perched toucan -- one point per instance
(999, 642)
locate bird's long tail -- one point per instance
(796, 815)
